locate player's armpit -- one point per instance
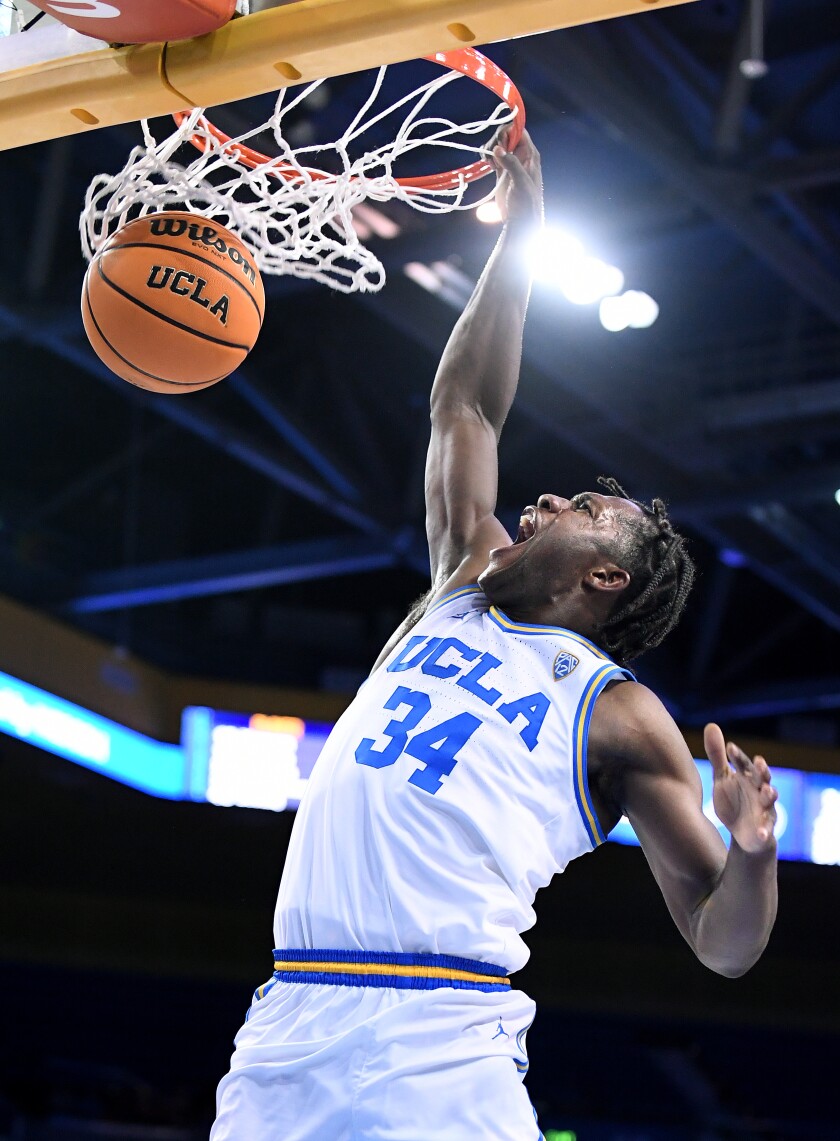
(640, 755)
(415, 613)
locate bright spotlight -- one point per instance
(590, 279)
(612, 314)
(837, 497)
(489, 212)
(423, 275)
(633, 310)
(559, 259)
(642, 309)
(553, 255)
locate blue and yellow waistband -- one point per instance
(387, 969)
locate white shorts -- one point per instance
(320, 1062)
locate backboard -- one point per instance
(56, 82)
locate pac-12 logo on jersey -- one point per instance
(564, 663)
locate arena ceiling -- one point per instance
(271, 528)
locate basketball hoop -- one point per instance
(294, 212)
(468, 61)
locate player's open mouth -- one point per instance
(527, 529)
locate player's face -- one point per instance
(558, 541)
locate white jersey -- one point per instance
(451, 790)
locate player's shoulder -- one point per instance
(634, 703)
(631, 726)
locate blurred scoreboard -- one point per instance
(264, 761)
(249, 760)
(259, 761)
(808, 815)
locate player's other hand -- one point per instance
(519, 189)
(744, 798)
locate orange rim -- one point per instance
(466, 60)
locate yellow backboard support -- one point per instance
(298, 42)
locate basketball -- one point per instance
(173, 302)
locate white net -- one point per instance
(295, 211)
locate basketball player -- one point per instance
(499, 736)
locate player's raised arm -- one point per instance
(723, 902)
(476, 383)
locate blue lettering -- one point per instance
(533, 708)
(470, 682)
(438, 749)
(402, 660)
(430, 665)
(427, 653)
(418, 706)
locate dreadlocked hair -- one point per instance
(661, 575)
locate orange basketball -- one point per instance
(173, 302)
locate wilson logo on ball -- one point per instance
(206, 235)
(180, 282)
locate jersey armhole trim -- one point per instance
(458, 592)
(580, 733)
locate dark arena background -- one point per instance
(247, 549)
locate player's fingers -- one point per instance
(500, 139)
(509, 162)
(497, 148)
(762, 768)
(527, 153)
(521, 181)
(497, 155)
(739, 759)
(768, 824)
(715, 748)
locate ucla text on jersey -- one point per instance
(467, 748)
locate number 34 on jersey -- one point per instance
(437, 746)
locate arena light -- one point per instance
(613, 314)
(559, 259)
(376, 222)
(589, 280)
(363, 231)
(630, 310)
(754, 65)
(423, 275)
(643, 309)
(730, 557)
(443, 280)
(554, 254)
(837, 497)
(489, 212)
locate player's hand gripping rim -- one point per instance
(519, 188)
(744, 798)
